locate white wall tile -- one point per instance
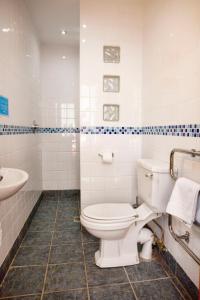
(119, 176)
(171, 95)
(20, 82)
(60, 108)
(124, 30)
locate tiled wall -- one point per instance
(108, 182)
(171, 94)
(19, 81)
(163, 42)
(60, 109)
(115, 182)
(167, 38)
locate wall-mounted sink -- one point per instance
(11, 181)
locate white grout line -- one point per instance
(65, 290)
(45, 276)
(176, 287)
(85, 267)
(150, 280)
(130, 284)
(19, 296)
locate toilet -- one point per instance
(120, 227)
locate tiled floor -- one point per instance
(56, 261)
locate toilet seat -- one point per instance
(108, 216)
(109, 212)
(113, 216)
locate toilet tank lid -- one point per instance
(155, 166)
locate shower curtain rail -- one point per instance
(186, 236)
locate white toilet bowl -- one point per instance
(117, 225)
(120, 227)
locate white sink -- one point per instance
(11, 181)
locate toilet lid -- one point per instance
(109, 211)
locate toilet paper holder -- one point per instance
(101, 155)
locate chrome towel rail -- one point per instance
(192, 152)
(186, 235)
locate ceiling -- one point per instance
(50, 17)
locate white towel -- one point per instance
(183, 200)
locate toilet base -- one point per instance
(120, 261)
(124, 251)
(112, 253)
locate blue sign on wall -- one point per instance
(3, 106)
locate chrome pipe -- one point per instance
(192, 152)
(179, 240)
(161, 230)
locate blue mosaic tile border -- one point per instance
(13, 130)
(57, 130)
(111, 130)
(190, 130)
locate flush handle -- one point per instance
(148, 175)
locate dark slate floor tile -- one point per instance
(89, 251)
(66, 253)
(170, 261)
(182, 289)
(65, 276)
(47, 215)
(114, 292)
(50, 194)
(145, 271)
(97, 276)
(32, 256)
(47, 207)
(41, 225)
(187, 283)
(37, 238)
(66, 213)
(69, 194)
(49, 202)
(156, 290)
(69, 203)
(68, 295)
(36, 297)
(68, 236)
(22, 281)
(87, 237)
(66, 225)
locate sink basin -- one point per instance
(11, 181)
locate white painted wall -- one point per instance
(171, 95)
(117, 23)
(19, 81)
(60, 108)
